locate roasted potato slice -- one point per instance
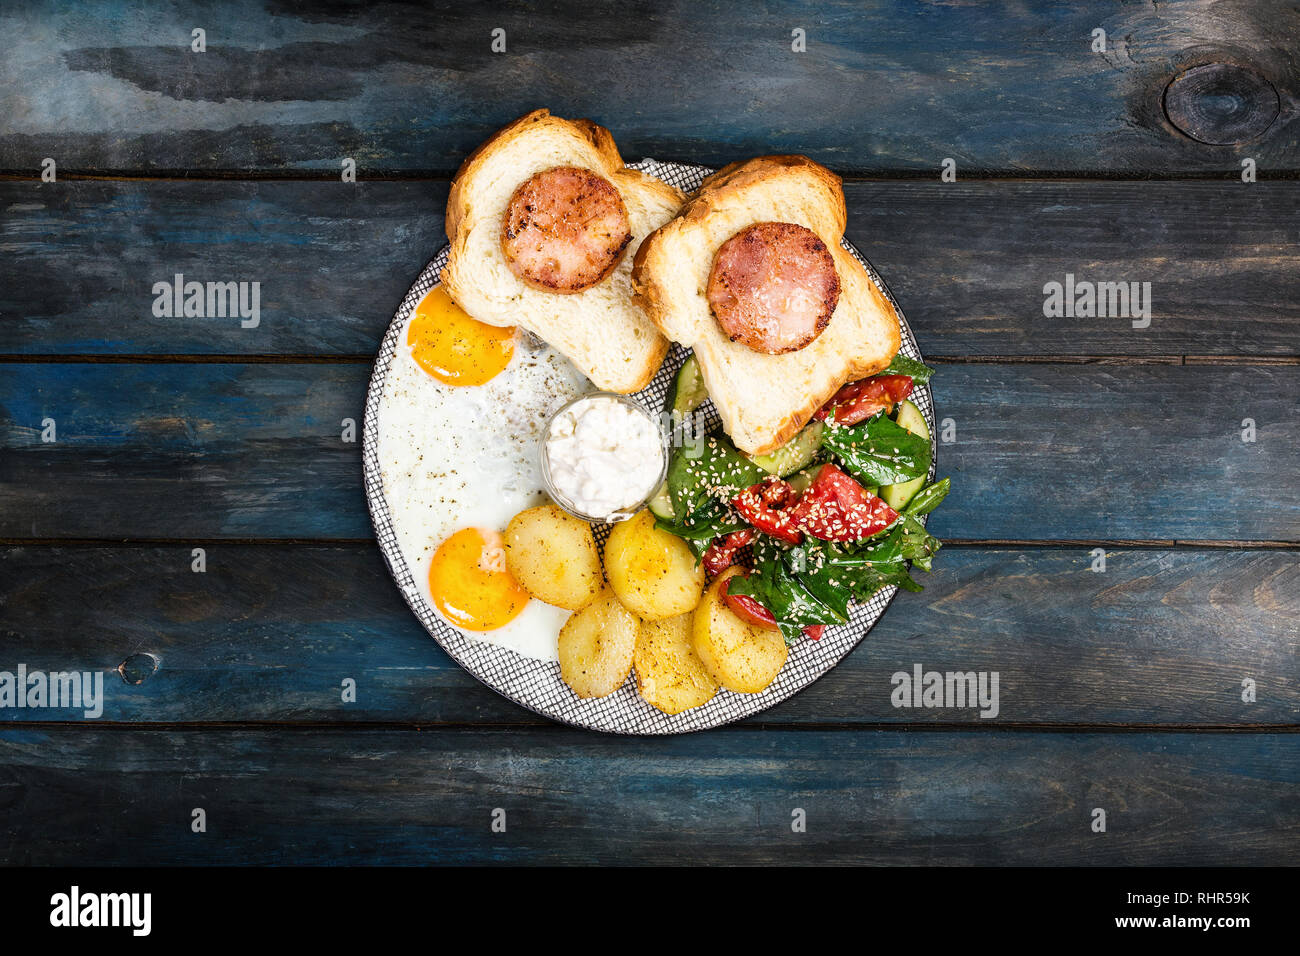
(553, 556)
(741, 656)
(596, 646)
(653, 572)
(669, 674)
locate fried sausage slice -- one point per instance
(565, 229)
(773, 287)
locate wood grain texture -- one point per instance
(207, 452)
(333, 262)
(1113, 452)
(878, 797)
(1041, 452)
(167, 450)
(1221, 104)
(967, 261)
(886, 87)
(268, 633)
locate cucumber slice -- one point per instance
(897, 496)
(794, 454)
(910, 417)
(661, 504)
(688, 392)
(800, 480)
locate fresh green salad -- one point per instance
(828, 519)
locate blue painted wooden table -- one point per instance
(1121, 541)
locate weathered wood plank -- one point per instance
(1114, 452)
(268, 633)
(332, 263)
(882, 87)
(405, 797)
(182, 450)
(968, 262)
(235, 450)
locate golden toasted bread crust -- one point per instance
(647, 293)
(597, 135)
(731, 178)
(737, 176)
(648, 264)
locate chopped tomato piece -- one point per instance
(765, 506)
(746, 608)
(837, 508)
(721, 554)
(749, 610)
(858, 401)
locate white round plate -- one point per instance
(536, 684)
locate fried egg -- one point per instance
(460, 425)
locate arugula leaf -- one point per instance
(700, 527)
(928, 498)
(902, 365)
(716, 469)
(879, 451)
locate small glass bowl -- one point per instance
(564, 503)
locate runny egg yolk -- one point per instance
(470, 583)
(454, 348)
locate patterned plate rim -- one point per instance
(536, 685)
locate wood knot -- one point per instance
(137, 667)
(1221, 104)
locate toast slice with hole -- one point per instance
(764, 399)
(600, 329)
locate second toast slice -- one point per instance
(764, 399)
